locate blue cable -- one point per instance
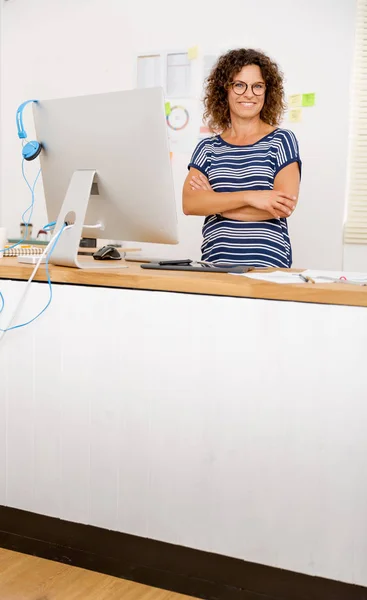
(49, 284)
(49, 226)
(30, 208)
(26, 221)
(23, 219)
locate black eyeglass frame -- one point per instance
(231, 84)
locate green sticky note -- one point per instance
(167, 107)
(308, 99)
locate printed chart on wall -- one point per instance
(182, 116)
(181, 74)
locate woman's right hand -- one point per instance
(278, 204)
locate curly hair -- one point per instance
(216, 113)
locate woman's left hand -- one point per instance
(200, 182)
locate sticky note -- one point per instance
(308, 99)
(193, 52)
(170, 155)
(295, 101)
(167, 107)
(295, 115)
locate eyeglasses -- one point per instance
(240, 87)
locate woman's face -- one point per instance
(249, 103)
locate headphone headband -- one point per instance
(19, 118)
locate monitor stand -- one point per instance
(73, 211)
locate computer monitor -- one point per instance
(106, 169)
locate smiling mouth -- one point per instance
(247, 104)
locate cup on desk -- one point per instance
(3, 240)
(26, 231)
(43, 235)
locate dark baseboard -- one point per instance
(184, 570)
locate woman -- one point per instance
(244, 180)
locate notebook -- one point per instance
(24, 251)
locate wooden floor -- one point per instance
(24, 577)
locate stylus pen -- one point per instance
(306, 279)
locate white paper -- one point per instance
(149, 71)
(178, 75)
(330, 276)
(274, 277)
(208, 64)
(183, 140)
(318, 276)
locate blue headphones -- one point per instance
(30, 150)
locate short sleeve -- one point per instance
(200, 159)
(286, 150)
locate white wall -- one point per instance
(355, 257)
(64, 47)
(1, 102)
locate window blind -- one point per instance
(355, 229)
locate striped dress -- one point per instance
(232, 168)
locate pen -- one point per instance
(306, 279)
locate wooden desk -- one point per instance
(215, 284)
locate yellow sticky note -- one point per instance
(295, 101)
(308, 99)
(295, 115)
(193, 52)
(167, 107)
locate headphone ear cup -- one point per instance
(31, 150)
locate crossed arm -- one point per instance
(198, 198)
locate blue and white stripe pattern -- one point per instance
(232, 168)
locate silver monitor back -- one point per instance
(122, 136)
